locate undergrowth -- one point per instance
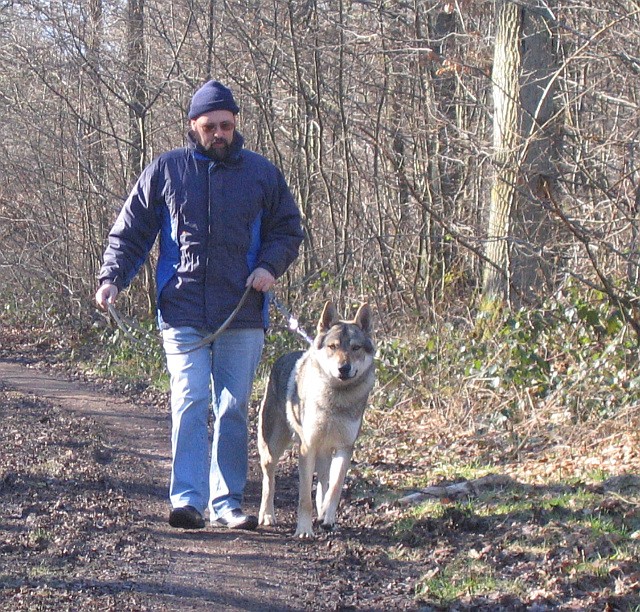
(539, 533)
(573, 359)
(530, 394)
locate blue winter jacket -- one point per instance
(218, 221)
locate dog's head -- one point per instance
(344, 349)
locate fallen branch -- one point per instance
(459, 490)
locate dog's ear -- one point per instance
(328, 318)
(363, 318)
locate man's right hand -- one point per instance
(106, 294)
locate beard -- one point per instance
(218, 149)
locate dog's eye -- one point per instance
(334, 346)
(355, 347)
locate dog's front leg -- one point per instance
(323, 464)
(267, 515)
(306, 466)
(339, 466)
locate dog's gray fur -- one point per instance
(317, 398)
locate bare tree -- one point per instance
(381, 116)
(520, 229)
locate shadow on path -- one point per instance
(206, 570)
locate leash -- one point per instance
(128, 327)
(292, 322)
(211, 337)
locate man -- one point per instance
(227, 222)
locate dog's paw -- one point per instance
(304, 530)
(267, 519)
(327, 526)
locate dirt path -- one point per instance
(83, 514)
(209, 569)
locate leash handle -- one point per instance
(127, 326)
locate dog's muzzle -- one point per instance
(344, 372)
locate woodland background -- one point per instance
(468, 167)
(387, 119)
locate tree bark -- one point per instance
(520, 231)
(137, 117)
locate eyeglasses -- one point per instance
(223, 126)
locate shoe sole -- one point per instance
(248, 524)
(180, 524)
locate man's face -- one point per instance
(214, 131)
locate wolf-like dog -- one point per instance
(317, 398)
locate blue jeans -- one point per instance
(221, 373)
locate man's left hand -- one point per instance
(261, 280)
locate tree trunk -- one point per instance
(520, 237)
(137, 117)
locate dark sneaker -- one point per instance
(186, 517)
(236, 519)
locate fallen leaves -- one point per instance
(65, 536)
(561, 531)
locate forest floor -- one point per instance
(83, 516)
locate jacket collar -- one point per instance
(235, 153)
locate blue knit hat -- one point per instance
(213, 95)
